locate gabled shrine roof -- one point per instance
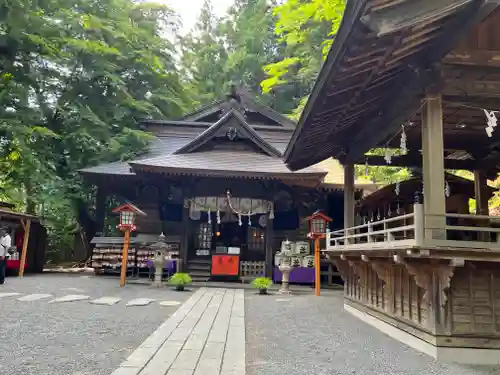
(239, 125)
(200, 144)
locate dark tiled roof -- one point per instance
(211, 162)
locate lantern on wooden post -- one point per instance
(127, 212)
(318, 227)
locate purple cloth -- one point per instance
(170, 265)
(299, 275)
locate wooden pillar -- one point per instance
(433, 167)
(269, 247)
(481, 196)
(24, 251)
(348, 196)
(100, 210)
(481, 192)
(183, 251)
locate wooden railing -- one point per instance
(416, 230)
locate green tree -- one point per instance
(234, 49)
(307, 29)
(74, 82)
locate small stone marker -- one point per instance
(106, 301)
(70, 298)
(170, 303)
(140, 302)
(34, 297)
(9, 294)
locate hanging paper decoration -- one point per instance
(491, 119)
(239, 220)
(218, 217)
(366, 168)
(402, 144)
(378, 214)
(271, 212)
(397, 188)
(446, 189)
(398, 210)
(209, 213)
(371, 217)
(389, 212)
(388, 156)
(249, 219)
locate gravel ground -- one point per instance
(75, 338)
(308, 335)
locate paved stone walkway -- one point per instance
(205, 336)
(106, 300)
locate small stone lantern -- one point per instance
(284, 261)
(160, 252)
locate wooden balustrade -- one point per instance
(410, 231)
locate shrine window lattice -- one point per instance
(204, 237)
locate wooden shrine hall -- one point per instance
(215, 183)
(421, 80)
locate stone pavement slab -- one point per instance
(140, 302)
(205, 336)
(70, 298)
(106, 301)
(34, 297)
(12, 294)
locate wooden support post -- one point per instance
(100, 210)
(348, 198)
(269, 242)
(183, 251)
(24, 252)
(126, 242)
(317, 268)
(433, 171)
(481, 192)
(481, 196)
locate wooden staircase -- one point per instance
(199, 269)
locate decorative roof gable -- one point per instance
(244, 102)
(232, 125)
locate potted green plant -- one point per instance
(180, 280)
(262, 284)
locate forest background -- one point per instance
(76, 77)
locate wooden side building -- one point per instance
(422, 77)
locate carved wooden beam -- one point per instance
(342, 267)
(359, 270)
(381, 269)
(409, 13)
(416, 161)
(473, 57)
(422, 277)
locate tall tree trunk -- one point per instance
(30, 199)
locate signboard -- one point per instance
(225, 265)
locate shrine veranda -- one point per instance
(419, 80)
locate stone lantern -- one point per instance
(160, 249)
(284, 261)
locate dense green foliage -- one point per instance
(75, 78)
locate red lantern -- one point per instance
(318, 224)
(127, 216)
